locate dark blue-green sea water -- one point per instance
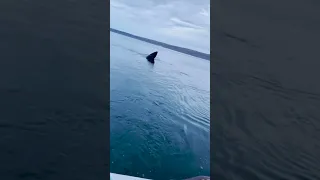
(160, 114)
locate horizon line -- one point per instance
(165, 45)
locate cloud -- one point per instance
(184, 23)
(179, 22)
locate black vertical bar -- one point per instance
(54, 89)
(265, 93)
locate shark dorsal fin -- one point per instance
(152, 56)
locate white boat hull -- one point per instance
(114, 176)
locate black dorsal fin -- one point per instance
(152, 56)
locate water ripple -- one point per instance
(160, 112)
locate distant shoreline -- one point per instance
(175, 48)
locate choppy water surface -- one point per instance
(160, 114)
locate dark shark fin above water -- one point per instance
(152, 56)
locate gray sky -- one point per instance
(184, 23)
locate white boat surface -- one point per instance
(114, 176)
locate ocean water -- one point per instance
(160, 114)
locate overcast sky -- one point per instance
(184, 23)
